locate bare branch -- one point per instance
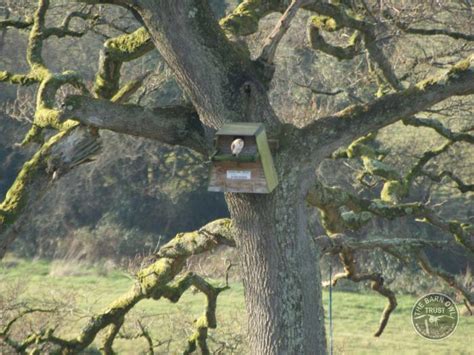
(460, 185)
(439, 128)
(376, 283)
(271, 42)
(428, 31)
(428, 267)
(359, 120)
(171, 125)
(19, 24)
(20, 347)
(318, 42)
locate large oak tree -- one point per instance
(213, 66)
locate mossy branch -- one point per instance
(341, 210)
(156, 281)
(244, 19)
(336, 243)
(317, 41)
(17, 79)
(175, 290)
(396, 187)
(36, 36)
(335, 17)
(117, 51)
(57, 156)
(15, 198)
(46, 114)
(110, 336)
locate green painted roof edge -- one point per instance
(267, 161)
(241, 129)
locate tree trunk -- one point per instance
(280, 271)
(280, 264)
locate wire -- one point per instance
(331, 348)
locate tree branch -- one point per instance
(329, 201)
(156, 282)
(19, 24)
(439, 128)
(271, 42)
(335, 243)
(376, 284)
(117, 51)
(171, 125)
(57, 156)
(110, 336)
(18, 79)
(334, 18)
(428, 267)
(318, 42)
(428, 31)
(244, 19)
(174, 291)
(359, 120)
(460, 185)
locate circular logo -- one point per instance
(435, 316)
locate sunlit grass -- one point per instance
(356, 315)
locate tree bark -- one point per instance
(280, 270)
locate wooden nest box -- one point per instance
(249, 171)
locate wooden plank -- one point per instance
(220, 181)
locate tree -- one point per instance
(212, 65)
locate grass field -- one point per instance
(355, 315)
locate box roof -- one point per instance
(241, 129)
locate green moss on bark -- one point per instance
(116, 51)
(325, 23)
(243, 20)
(17, 194)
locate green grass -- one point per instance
(356, 315)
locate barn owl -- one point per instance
(237, 146)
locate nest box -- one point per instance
(249, 171)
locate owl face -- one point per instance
(236, 146)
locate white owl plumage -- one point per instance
(236, 146)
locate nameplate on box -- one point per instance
(239, 175)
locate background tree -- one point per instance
(225, 83)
